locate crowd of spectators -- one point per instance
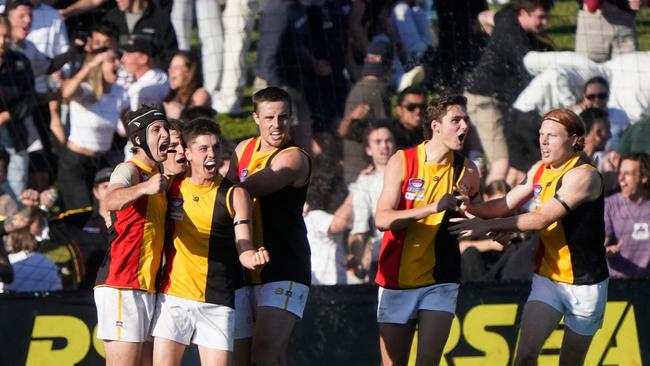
(359, 73)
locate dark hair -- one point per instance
(591, 115)
(596, 80)
(102, 28)
(530, 5)
(184, 93)
(194, 112)
(572, 122)
(175, 125)
(410, 90)
(326, 184)
(271, 94)
(438, 108)
(14, 4)
(375, 125)
(644, 164)
(199, 127)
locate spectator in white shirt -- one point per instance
(364, 237)
(326, 221)
(95, 104)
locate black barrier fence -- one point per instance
(339, 328)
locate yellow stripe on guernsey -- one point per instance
(188, 277)
(259, 161)
(418, 256)
(153, 235)
(556, 263)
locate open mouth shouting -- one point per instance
(210, 167)
(163, 147)
(461, 137)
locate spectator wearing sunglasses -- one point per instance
(596, 95)
(410, 109)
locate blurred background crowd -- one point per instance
(360, 74)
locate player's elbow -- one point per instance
(381, 222)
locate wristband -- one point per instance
(241, 222)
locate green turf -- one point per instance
(561, 29)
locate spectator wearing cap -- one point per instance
(92, 239)
(152, 84)
(95, 101)
(369, 99)
(145, 17)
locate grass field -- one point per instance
(561, 29)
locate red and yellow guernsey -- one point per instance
(571, 249)
(424, 253)
(137, 236)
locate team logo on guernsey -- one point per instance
(537, 193)
(415, 189)
(244, 174)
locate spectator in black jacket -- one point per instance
(17, 100)
(145, 17)
(500, 76)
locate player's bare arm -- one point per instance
(513, 200)
(122, 194)
(578, 186)
(249, 256)
(388, 217)
(288, 168)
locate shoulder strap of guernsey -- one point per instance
(459, 167)
(411, 163)
(246, 155)
(289, 144)
(538, 173)
(222, 193)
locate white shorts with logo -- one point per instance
(286, 295)
(124, 314)
(582, 305)
(401, 305)
(189, 321)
